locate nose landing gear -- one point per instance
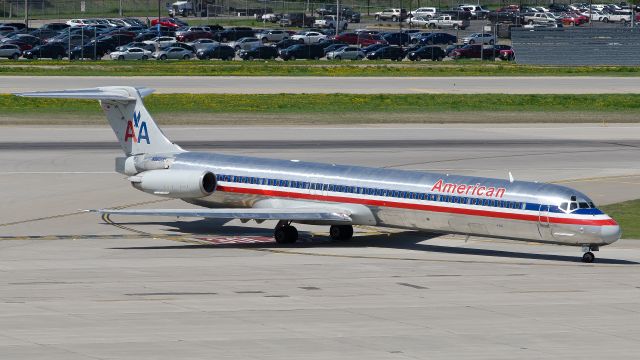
(588, 256)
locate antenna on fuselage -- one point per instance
(510, 177)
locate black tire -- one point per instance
(588, 257)
(292, 57)
(316, 57)
(472, 41)
(394, 18)
(265, 40)
(338, 57)
(237, 48)
(359, 57)
(440, 58)
(249, 57)
(285, 234)
(418, 58)
(301, 41)
(163, 57)
(491, 42)
(341, 232)
(186, 57)
(59, 57)
(15, 56)
(34, 57)
(456, 27)
(431, 26)
(530, 22)
(121, 57)
(145, 57)
(223, 39)
(605, 20)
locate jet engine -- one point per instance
(175, 183)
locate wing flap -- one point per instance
(300, 214)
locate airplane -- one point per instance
(338, 196)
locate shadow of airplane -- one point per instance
(404, 240)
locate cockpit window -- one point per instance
(573, 206)
(564, 206)
(584, 205)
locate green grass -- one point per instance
(627, 214)
(301, 68)
(340, 103)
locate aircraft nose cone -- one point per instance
(610, 233)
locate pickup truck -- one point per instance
(616, 17)
(446, 22)
(539, 18)
(330, 21)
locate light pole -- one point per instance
(26, 13)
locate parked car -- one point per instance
(259, 52)
(507, 55)
(91, 50)
(50, 51)
(302, 51)
(426, 12)
(438, 39)
(174, 53)
(169, 22)
(479, 38)
(273, 35)
(193, 33)
(346, 53)
(283, 44)
(333, 47)
(397, 38)
(202, 44)
(419, 21)
(473, 52)
(161, 41)
(363, 39)
(448, 22)
(430, 52)
(449, 49)
(10, 51)
(133, 53)
(220, 51)
(387, 52)
(233, 34)
(309, 37)
(391, 14)
(297, 19)
(245, 43)
(372, 47)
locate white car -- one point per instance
(245, 43)
(427, 12)
(133, 53)
(272, 35)
(309, 37)
(479, 38)
(161, 41)
(77, 22)
(420, 21)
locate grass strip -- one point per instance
(338, 103)
(627, 214)
(302, 68)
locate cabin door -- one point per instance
(544, 227)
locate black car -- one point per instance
(328, 42)
(54, 26)
(91, 50)
(302, 51)
(438, 39)
(116, 39)
(397, 38)
(259, 52)
(233, 34)
(427, 52)
(52, 50)
(373, 47)
(223, 52)
(387, 52)
(283, 44)
(334, 47)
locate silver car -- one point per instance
(273, 35)
(245, 43)
(134, 53)
(10, 51)
(346, 53)
(173, 52)
(202, 44)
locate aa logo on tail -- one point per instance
(134, 124)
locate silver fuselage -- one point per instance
(407, 199)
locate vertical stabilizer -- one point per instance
(135, 129)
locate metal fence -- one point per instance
(577, 46)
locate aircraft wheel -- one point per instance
(286, 234)
(588, 257)
(341, 232)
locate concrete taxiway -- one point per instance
(330, 85)
(77, 286)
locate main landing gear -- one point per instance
(588, 256)
(285, 233)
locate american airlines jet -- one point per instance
(338, 196)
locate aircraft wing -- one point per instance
(295, 214)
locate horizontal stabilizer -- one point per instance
(116, 93)
(300, 214)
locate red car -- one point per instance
(193, 33)
(360, 39)
(507, 55)
(169, 22)
(473, 52)
(572, 20)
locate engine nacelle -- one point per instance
(176, 183)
